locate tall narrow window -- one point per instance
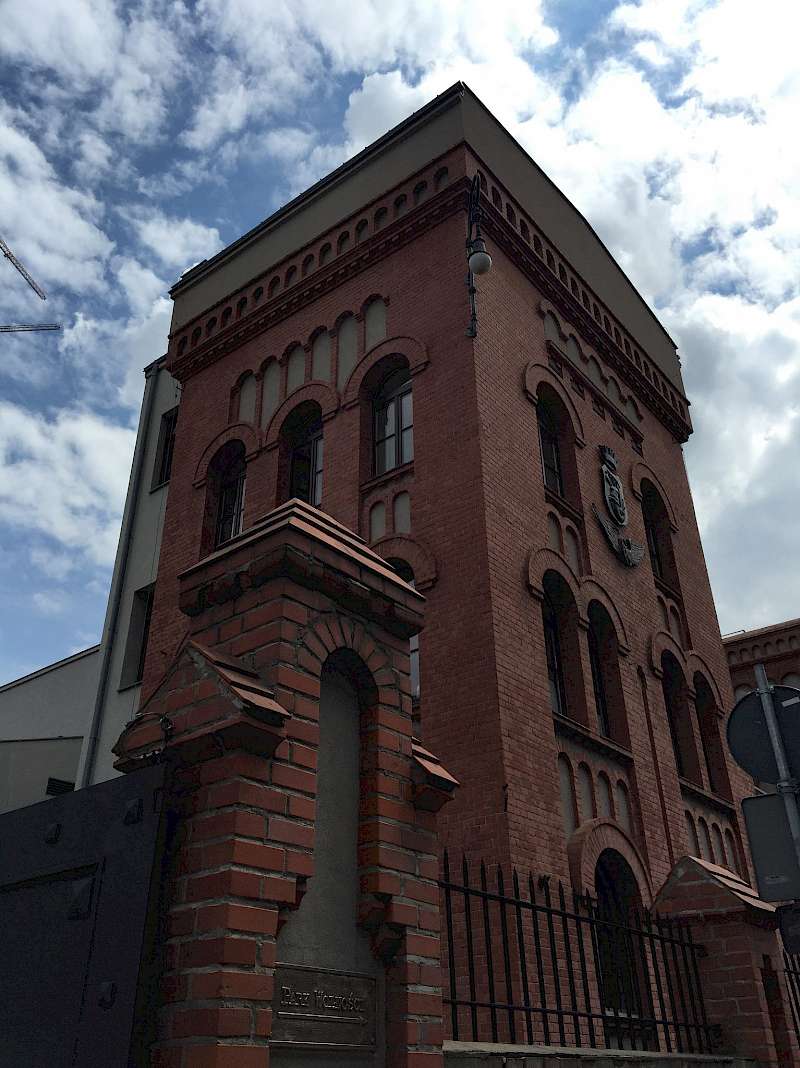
(393, 422)
(713, 750)
(230, 509)
(598, 685)
(302, 454)
(551, 454)
(678, 712)
(606, 680)
(555, 670)
(162, 468)
(659, 537)
(136, 642)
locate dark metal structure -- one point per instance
(79, 881)
(533, 964)
(791, 971)
(12, 328)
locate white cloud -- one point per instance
(56, 565)
(64, 477)
(50, 602)
(176, 242)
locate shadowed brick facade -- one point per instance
(562, 336)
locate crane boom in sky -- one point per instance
(9, 255)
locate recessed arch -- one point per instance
(413, 351)
(662, 642)
(324, 394)
(591, 590)
(419, 557)
(244, 432)
(639, 472)
(536, 373)
(696, 664)
(586, 845)
(542, 560)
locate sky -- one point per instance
(139, 138)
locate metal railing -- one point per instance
(533, 965)
(791, 967)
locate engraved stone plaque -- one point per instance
(323, 1009)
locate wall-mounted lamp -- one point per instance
(478, 259)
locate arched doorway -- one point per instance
(622, 968)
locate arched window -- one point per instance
(624, 980)
(380, 218)
(401, 513)
(225, 495)
(290, 276)
(606, 681)
(362, 229)
(676, 703)
(247, 399)
(343, 243)
(258, 293)
(270, 391)
(420, 192)
(347, 349)
(295, 368)
(623, 805)
(731, 851)
(713, 751)
(226, 316)
(706, 849)
(718, 844)
(321, 357)
(562, 650)
(400, 205)
(407, 575)
(556, 444)
(440, 178)
(325, 253)
(691, 835)
(569, 809)
(393, 436)
(274, 286)
(308, 265)
(585, 793)
(377, 521)
(301, 455)
(605, 806)
(240, 307)
(658, 536)
(374, 323)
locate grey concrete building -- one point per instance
(43, 717)
(57, 725)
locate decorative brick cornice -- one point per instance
(377, 247)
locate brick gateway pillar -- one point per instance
(272, 615)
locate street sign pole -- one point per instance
(786, 785)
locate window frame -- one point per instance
(384, 402)
(165, 449)
(550, 452)
(314, 447)
(599, 684)
(554, 659)
(236, 483)
(137, 637)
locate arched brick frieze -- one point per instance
(244, 432)
(420, 559)
(640, 471)
(591, 590)
(534, 374)
(661, 642)
(586, 845)
(414, 352)
(542, 560)
(321, 392)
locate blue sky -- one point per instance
(137, 138)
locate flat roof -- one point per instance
(49, 667)
(748, 635)
(453, 118)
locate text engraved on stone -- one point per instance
(313, 1007)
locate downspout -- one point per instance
(118, 580)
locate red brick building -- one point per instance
(777, 647)
(529, 481)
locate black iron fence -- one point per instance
(791, 967)
(532, 963)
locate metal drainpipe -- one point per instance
(151, 374)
